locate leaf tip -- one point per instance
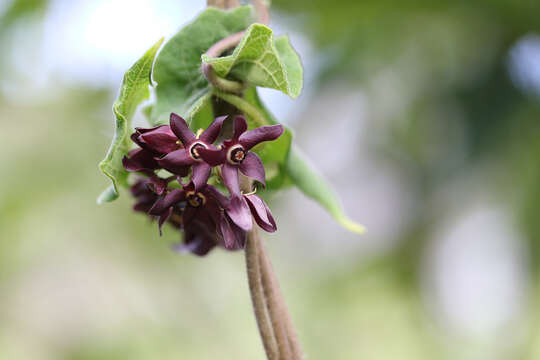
(108, 195)
(352, 226)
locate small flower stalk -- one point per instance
(175, 168)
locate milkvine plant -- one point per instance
(213, 152)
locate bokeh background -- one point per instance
(424, 114)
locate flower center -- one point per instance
(194, 150)
(195, 199)
(236, 154)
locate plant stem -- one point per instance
(257, 295)
(215, 51)
(223, 4)
(269, 277)
(276, 309)
(285, 339)
(243, 106)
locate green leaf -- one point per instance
(201, 114)
(273, 151)
(133, 91)
(108, 195)
(261, 61)
(177, 71)
(313, 185)
(291, 64)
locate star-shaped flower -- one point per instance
(152, 142)
(235, 153)
(144, 191)
(189, 155)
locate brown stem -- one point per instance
(257, 295)
(285, 336)
(223, 4)
(262, 12)
(269, 277)
(276, 308)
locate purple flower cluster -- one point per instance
(207, 217)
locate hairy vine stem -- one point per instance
(270, 281)
(258, 296)
(275, 325)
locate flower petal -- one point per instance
(252, 167)
(238, 211)
(213, 192)
(201, 173)
(162, 218)
(139, 188)
(156, 184)
(177, 162)
(181, 129)
(261, 213)
(139, 160)
(195, 244)
(198, 239)
(227, 232)
(213, 157)
(240, 126)
(160, 139)
(189, 214)
(229, 173)
(212, 132)
(135, 138)
(167, 201)
(264, 133)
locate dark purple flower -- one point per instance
(159, 140)
(153, 142)
(144, 192)
(199, 239)
(236, 216)
(241, 210)
(140, 160)
(144, 197)
(234, 154)
(189, 155)
(207, 217)
(208, 208)
(261, 213)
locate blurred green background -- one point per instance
(424, 114)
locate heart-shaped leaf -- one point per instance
(262, 61)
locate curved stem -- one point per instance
(243, 106)
(215, 51)
(224, 44)
(221, 83)
(257, 295)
